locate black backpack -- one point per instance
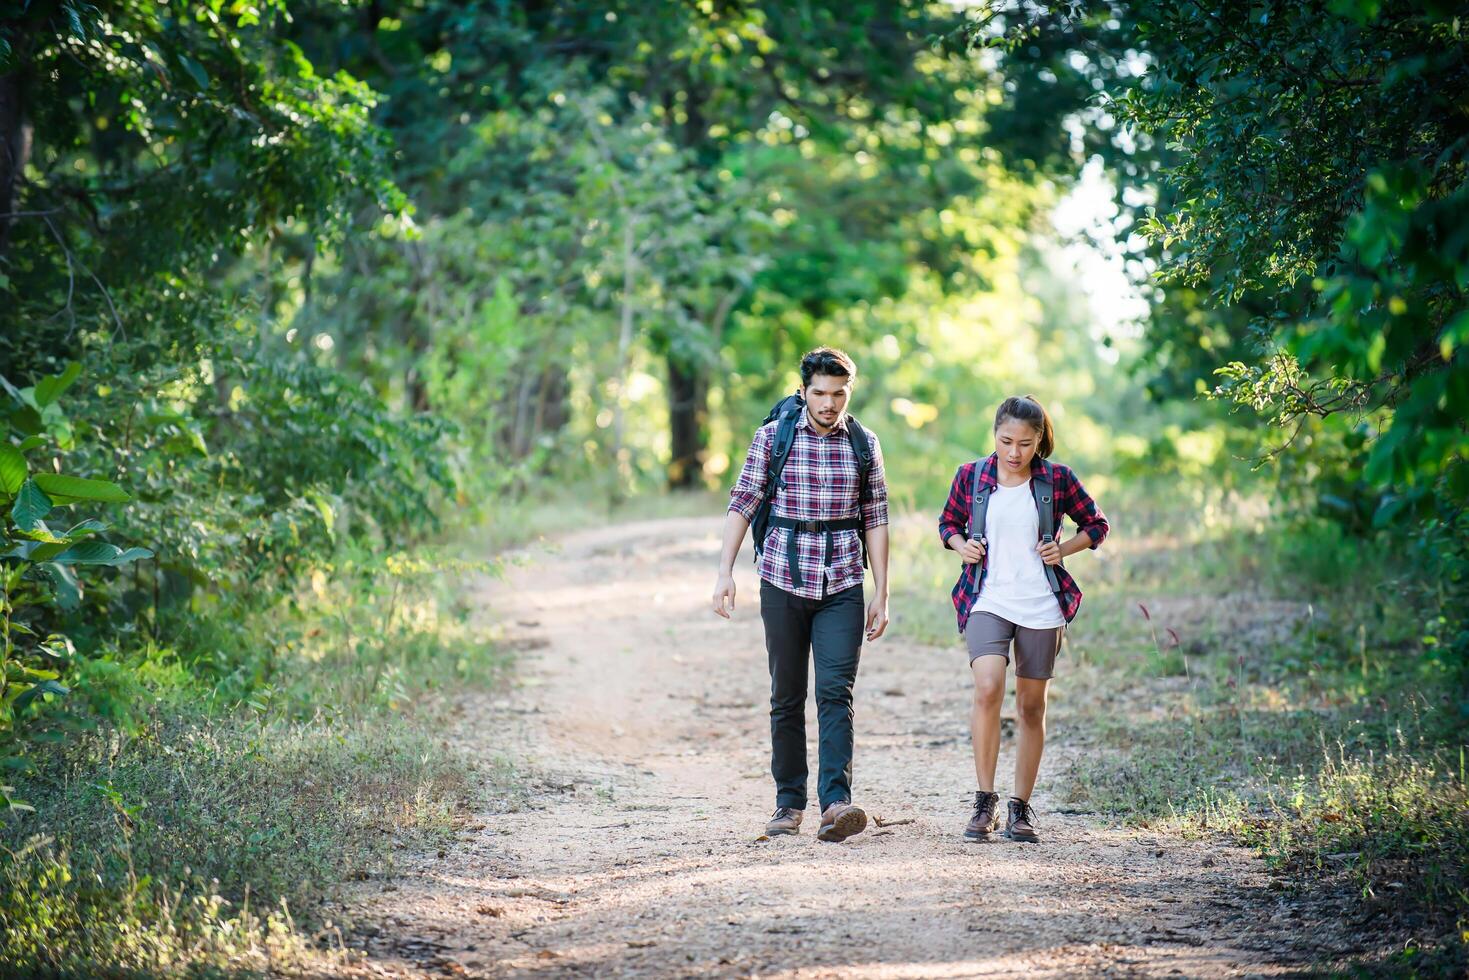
(788, 410)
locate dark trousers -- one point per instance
(827, 632)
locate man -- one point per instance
(811, 597)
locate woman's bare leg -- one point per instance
(984, 716)
(1030, 712)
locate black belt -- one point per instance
(811, 527)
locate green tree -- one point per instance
(162, 159)
(1312, 187)
(721, 81)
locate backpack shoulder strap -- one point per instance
(979, 505)
(775, 464)
(860, 440)
(1043, 486)
(780, 451)
(979, 502)
(862, 447)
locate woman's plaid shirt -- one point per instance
(1070, 499)
(820, 485)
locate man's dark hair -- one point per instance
(1025, 408)
(828, 361)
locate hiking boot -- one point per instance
(1020, 824)
(785, 820)
(840, 821)
(986, 816)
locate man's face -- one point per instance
(826, 397)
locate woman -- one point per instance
(1013, 589)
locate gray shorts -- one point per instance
(1035, 650)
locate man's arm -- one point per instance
(735, 526)
(875, 520)
(877, 607)
(744, 501)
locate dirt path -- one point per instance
(641, 720)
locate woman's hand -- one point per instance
(1049, 551)
(971, 551)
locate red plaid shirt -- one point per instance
(1070, 499)
(821, 485)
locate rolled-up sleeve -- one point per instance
(744, 496)
(1082, 509)
(955, 517)
(875, 507)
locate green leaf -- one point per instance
(36, 690)
(31, 504)
(186, 443)
(27, 420)
(21, 549)
(13, 469)
(99, 553)
(79, 488)
(46, 550)
(64, 581)
(15, 803)
(74, 21)
(50, 388)
(89, 526)
(40, 532)
(196, 71)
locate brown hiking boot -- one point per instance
(986, 816)
(785, 820)
(1020, 824)
(840, 821)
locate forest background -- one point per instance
(308, 309)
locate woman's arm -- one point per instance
(955, 517)
(1053, 553)
(954, 521)
(1077, 504)
(1081, 508)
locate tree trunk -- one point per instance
(624, 353)
(552, 410)
(688, 417)
(522, 420)
(688, 402)
(15, 147)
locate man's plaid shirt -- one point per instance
(1070, 498)
(820, 485)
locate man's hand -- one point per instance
(1049, 551)
(724, 588)
(877, 617)
(970, 550)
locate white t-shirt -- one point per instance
(1015, 586)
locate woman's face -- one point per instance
(1015, 443)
